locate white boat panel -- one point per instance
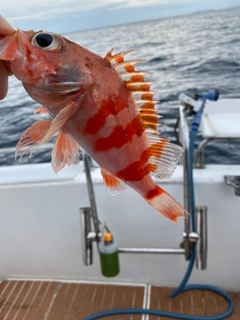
(221, 119)
(37, 173)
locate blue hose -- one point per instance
(182, 287)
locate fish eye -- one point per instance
(45, 41)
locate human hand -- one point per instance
(5, 29)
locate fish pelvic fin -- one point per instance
(59, 121)
(113, 184)
(165, 204)
(65, 151)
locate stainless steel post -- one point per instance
(92, 197)
(86, 230)
(152, 250)
(201, 244)
(184, 133)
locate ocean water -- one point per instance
(190, 54)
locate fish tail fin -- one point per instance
(165, 204)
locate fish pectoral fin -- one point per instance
(113, 184)
(8, 47)
(59, 121)
(40, 110)
(33, 136)
(43, 130)
(65, 151)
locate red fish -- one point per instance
(101, 104)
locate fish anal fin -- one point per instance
(32, 137)
(113, 184)
(65, 151)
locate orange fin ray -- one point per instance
(33, 136)
(135, 75)
(127, 65)
(164, 156)
(118, 57)
(160, 200)
(143, 95)
(65, 151)
(146, 111)
(139, 86)
(113, 184)
(40, 110)
(143, 105)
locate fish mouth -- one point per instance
(60, 88)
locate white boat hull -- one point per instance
(40, 227)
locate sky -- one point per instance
(74, 15)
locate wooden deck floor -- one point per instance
(44, 300)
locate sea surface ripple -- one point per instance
(190, 54)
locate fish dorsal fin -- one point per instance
(113, 184)
(162, 155)
(65, 151)
(138, 87)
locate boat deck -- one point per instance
(57, 300)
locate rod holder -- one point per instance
(200, 213)
(233, 181)
(87, 235)
(108, 254)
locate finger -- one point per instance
(5, 27)
(3, 80)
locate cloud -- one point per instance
(72, 15)
(38, 9)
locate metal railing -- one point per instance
(199, 153)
